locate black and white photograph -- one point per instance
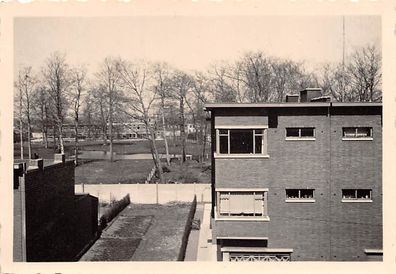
(193, 138)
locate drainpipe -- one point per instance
(329, 179)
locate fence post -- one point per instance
(156, 193)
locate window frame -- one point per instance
(356, 136)
(254, 191)
(300, 199)
(300, 137)
(356, 199)
(253, 154)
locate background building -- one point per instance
(298, 180)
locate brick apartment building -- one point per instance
(300, 180)
(51, 223)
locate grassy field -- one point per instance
(137, 147)
(143, 232)
(104, 172)
(120, 147)
(127, 171)
(189, 172)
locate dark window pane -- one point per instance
(223, 131)
(259, 131)
(241, 141)
(363, 132)
(292, 132)
(259, 144)
(363, 194)
(292, 193)
(224, 144)
(348, 194)
(307, 132)
(307, 193)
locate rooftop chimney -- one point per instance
(292, 98)
(308, 94)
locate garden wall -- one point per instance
(146, 193)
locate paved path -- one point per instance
(206, 251)
(94, 154)
(193, 239)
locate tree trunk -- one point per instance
(45, 136)
(111, 129)
(62, 146)
(21, 136)
(29, 138)
(53, 137)
(165, 140)
(182, 129)
(204, 141)
(156, 158)
(76, 142)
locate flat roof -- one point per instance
(290, 105)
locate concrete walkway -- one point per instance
(206, 251)
(98, 154)
(193, 238)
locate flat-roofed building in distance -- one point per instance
(300, 180)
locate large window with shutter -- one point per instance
(241, 203)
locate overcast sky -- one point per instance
(191, 43)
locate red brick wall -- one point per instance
(326, 229)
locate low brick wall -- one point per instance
(146, 193)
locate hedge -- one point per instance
(113, 211)
(187, 229)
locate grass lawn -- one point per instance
(142, 232)
(120, 147)
(137, 147)
(121, 171)
(189, 172)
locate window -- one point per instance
(241, 204)
(356, 195)
(301, 133)
(241, 141)
(357, 133)
(300, 195)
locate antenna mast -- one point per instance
(343, 60)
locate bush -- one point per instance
(113, 211)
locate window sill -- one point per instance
(300, 200)
(356, 201)
(241, 156)
(243, 219)
(357, 139)
(300, 139)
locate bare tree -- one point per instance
(57, 76)
(332, 82)
(109, 78)
(161, 75)
(41, 107)
(77, 91)
(137, 84)
(181, 86)
(220, 83)
(201, 95)
(364, 71)
(26, 86)
(358, 81)
(257, 71)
